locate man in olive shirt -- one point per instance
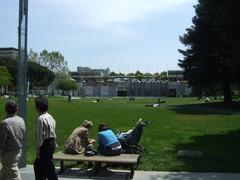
(12, 130)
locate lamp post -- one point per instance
(22, 69)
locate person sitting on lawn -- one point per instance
(108, 143)
(79, 140)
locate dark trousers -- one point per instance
(110, 151)
(44, 167)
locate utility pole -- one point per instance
(22, 70)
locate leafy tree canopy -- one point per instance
(52, 60)
(211, 58)
(5, 76)
(66, 84)
(39, 76)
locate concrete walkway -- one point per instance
(73, 174)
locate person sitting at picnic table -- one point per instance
(108, 143)
(79, 140)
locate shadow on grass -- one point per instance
(208, 108)
(220, 153)
(89, 174)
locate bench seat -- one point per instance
(126, 159)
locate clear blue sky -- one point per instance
(124, 35)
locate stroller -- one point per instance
(130, 139)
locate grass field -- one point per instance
(180, 123)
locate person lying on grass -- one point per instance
(79, 140)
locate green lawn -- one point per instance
(180, 123)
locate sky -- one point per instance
(123, 35)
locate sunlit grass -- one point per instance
(180, 123)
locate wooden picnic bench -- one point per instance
(131, 160)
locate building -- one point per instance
(9, 52)
(98, 82)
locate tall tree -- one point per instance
(207, 60)
(5, 77)
(11, 65)
(139, 75)
(33, 56)
(113, 73)
(157, 76)
(52, 60)
(66, 84)
(39, 76)
(131, 74)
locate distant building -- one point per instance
(175, 75)
(176, 85)
(9, 52)
(98, 82)
(86, 71)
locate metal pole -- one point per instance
(22, 70)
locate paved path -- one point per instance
(73, 174)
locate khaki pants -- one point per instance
(10, 169)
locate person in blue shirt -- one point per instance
(108, 143)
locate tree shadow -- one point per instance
(208, 108)
(220, 153)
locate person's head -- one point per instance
(103, 127)
(41, 104)
(87, 124)
(11, 107)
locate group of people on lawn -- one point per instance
(12, 131)
(79, 141)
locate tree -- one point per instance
(139, 75)
(33, 56)
(52, 60)
(5, 77)
(148, 74)
(131, 74)
(11, 65)
(113, 73)
(121, 74)
(157, 76)
(39, 76)
(164, 74)
(66, 84)
(208, 61)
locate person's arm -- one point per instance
(3, 137)
(39, 137)
(86, 138)
(100, 143)
(38, 152)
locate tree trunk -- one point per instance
(227, 92)
(239, 90)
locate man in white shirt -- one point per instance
(12, 130)
(46, 142)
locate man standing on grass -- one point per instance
(69, 96)
(43, 165)
(12, 130)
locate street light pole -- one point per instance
(22, 69)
